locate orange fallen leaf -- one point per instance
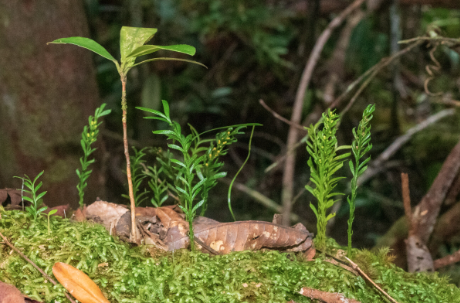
(78, 284)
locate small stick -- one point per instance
(33, 264)
(362, 273)
(325, 296)
(447, 260)
(279, 117)
(406, 200)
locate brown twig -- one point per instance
(34, 265)
(281, 118)
(325, 296)
(289, 168)
(363, 274)
(447, 260)
(406, 201)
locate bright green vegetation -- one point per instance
(324, 163)
(360, 146)
(133, 275)
(35, 197)
(88, 137)
(197, 171)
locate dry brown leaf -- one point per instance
(242, 235)
(10, 294)
(14, 195)
(78, 284)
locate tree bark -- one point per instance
(47, 93)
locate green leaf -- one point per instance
(40, 196)
(52, 212)
(132, 38)
(178, 162)
(149, 49)
(352, 168)
(38, 176)
(314, 209)
(152, 111)
(197, 205)
(86, 43)
(166, 109)
(170, 59)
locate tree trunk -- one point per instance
(47, 93)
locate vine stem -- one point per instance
(34, 265)
(124, 107)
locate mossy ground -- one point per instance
(131, 274)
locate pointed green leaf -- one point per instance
(133, 37)
(149, 49)
(86, 43)
(171, 59)
(166, 108)
(314, 209)
(197, 205)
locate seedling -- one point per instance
(35, 198)
(138, 176)
(323, 163)
(88, 137)
(132, 40)
(51, 212)
(196, 173)
(360, 146)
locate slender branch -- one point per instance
(363, 274)
(406, 201)
(33, 264)
(279, 117)
(375, 165)
(288, 176)
(447, 260)
(325, 296)
(128, 161)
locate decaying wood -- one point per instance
(325, 296)
(418, 256)
(427, 210)
(363, 274)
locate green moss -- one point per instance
(131, 275)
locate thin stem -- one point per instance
(124, 107)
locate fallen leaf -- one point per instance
(10, 294)
(78, 284)
(242, 235)
(15, 198)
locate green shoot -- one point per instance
(196, 173)
(137, 164)
(159, 187)
(323, 163)
(360, 146)
(35, 198)
(88, 137)
(51, 212)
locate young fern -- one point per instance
(159, 187)
(35, 198)
(88, 137)
(323, 163)
(360, 146)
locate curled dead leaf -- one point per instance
(78, 284)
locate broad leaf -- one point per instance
(86, 43)
(149, 49)
(130, 39)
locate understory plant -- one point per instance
(88, 137)
(360, 146)
(196, 172)
(132, 40)
(324, 162)
(138, 176)
(35, 198)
